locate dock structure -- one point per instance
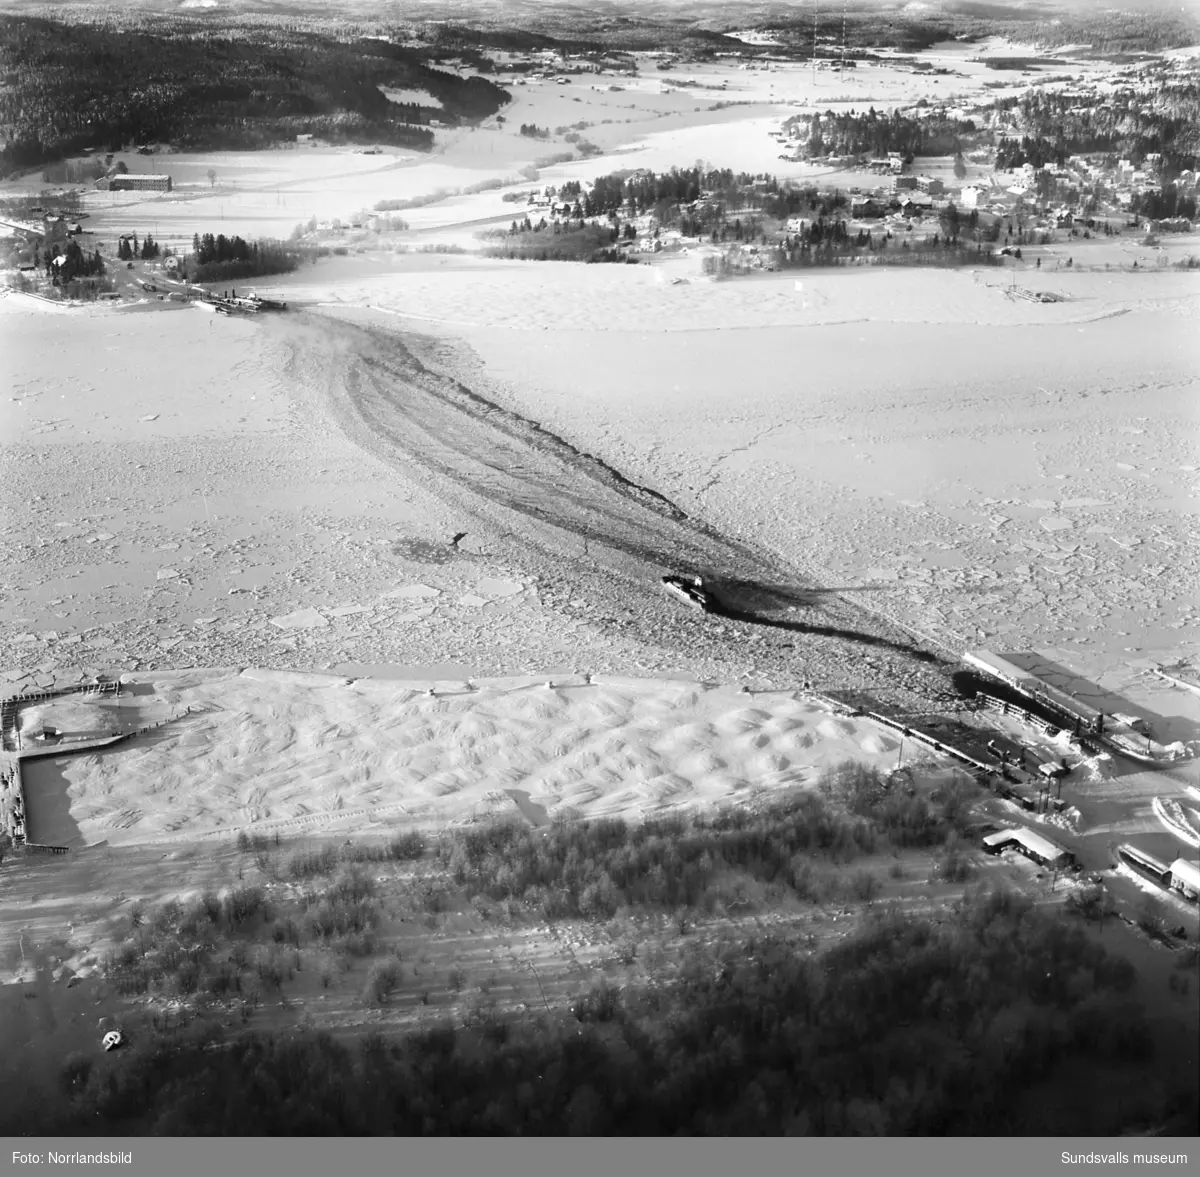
(16, 749)
(1072, 713)
(12, 799)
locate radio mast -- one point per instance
(843, 69)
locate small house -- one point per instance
(865, 207)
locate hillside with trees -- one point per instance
(1128, 124)
(243, 84)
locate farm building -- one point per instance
(131, 182)
(1185, 878)
(1040, 849)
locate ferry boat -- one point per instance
(267, 304)
(691, 591)
(1132, 737)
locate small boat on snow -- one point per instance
(691, 591)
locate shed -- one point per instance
(1031, 844)
(996, 842)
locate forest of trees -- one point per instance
(74, 85)
(877, 132)
(77, 264)
(1126, 125)
(221, 258)
(1116, 31)
(1166, 202)
(998, 1020)
(554, 242)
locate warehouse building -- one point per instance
(1035, 846)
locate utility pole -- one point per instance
(539, 981)
(814, 51)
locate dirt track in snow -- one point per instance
(575, 522)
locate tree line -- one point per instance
(128, 248)
(1163, 203)
(877, 132)
(593, 868)
(221, 258)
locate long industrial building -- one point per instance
(131, 182)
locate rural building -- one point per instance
(132, 182)
(1034, 846)
(900, 183)
(972, 195)
(865, 207)
(932, 186)
(1185, 878)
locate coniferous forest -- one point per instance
(243, 84)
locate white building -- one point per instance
(132, 182)
(972, 195)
